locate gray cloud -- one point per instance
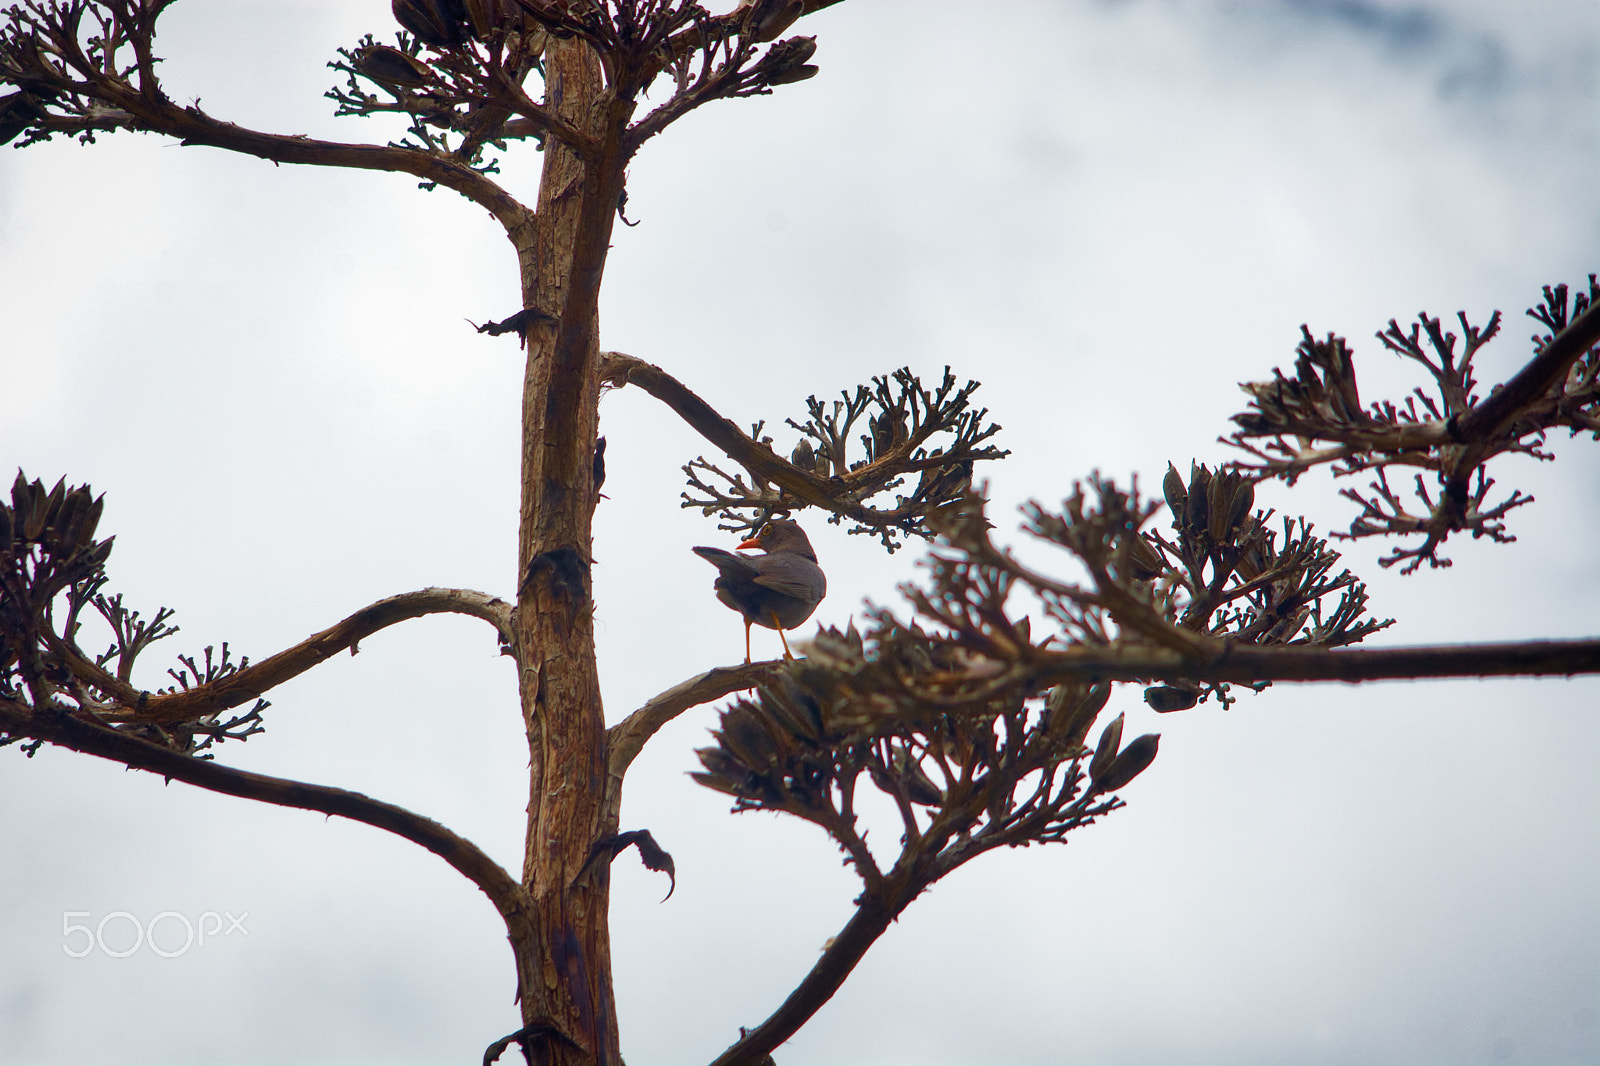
(1109, 214)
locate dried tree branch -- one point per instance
(193, 126)
(618, 369)
(78, 734)
(1444, 431)
(252, 681)
(628, 737)
(1495, 415)
(1252, 664)
(71, 62)
(838, 494)
(871, 920)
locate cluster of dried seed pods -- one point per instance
(61, 523)
(452, 23)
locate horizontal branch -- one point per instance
(193, 126)
(190, 125)
(628, 737)
(76, 734)
(252, 681)
(1246, 664)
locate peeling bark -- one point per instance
(564, 974)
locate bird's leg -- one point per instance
(747, 642)
(787, 654)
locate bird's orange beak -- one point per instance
(753, 542)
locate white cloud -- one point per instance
(1109, 214)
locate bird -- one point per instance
(778, 590)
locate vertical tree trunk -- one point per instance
(564, 972)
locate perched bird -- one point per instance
(778, 590)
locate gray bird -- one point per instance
(778, 590)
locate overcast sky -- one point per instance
(1110, 214)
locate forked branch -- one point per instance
(85, 67)
(823, 470)
(1445, 432)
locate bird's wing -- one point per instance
(792, 576)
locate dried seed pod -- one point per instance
(946, 481)
(20, 110)
(91, 519)
(888, 429)
(786, 62)
(1287, 628)
(1244, 500)
(765, 19)
(1058, 699)
(1135, 758)
(1073, 710)
(99, 553)
(803, 456)
(1252, 561)
(824, 466)
(21, 495)
(715, 782)
(1219, 496)
(534, 38)
(1144, 562)
(63, 531)
(53, 502)
(17, 113)
(1197, 514)
(789, 75)
(1177, 495)
(487, 16)
(745, 737)
(796, 710)
(1230, 499)
(719, 762)
(1176, 697)
(391, 67)
(1105, 753)
(907, 656)
(35, 515)
(725, 774)
(441, 23)
(919, 787)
